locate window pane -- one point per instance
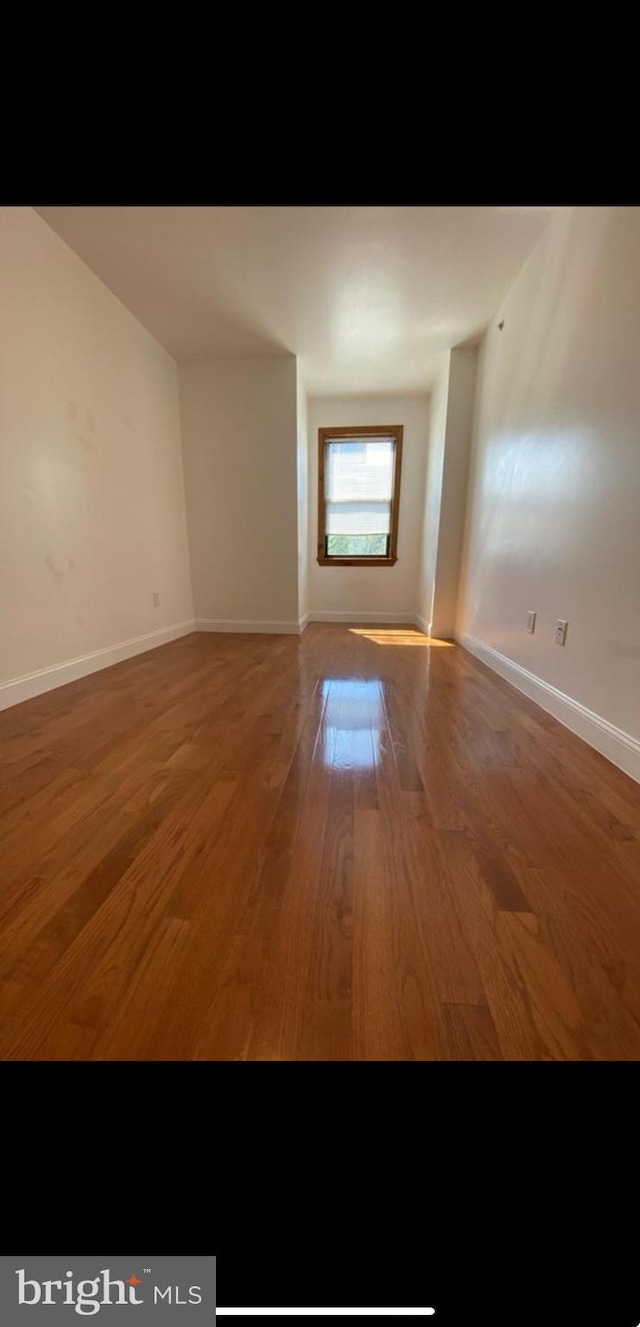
(357, 545)
(358, 518)
(360, 471)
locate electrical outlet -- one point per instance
(561, 631)
(156, 600)
(531, 622)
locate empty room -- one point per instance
(319, 633)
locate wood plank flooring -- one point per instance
(346, 846)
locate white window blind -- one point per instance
(359, 486)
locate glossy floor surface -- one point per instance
(351, 845)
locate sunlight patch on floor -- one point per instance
(389, 636)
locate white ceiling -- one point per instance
(367, 297)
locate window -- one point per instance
(358, 495)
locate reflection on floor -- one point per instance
(352, 722)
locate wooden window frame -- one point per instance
(326, 435)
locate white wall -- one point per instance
(92, 515)
(554, 506)
(239, 433)
(303, 498)
(454, 473)
(433, 494)
(385, 592)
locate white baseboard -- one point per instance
(362, 617)
(619, 747)
(422, 624)
(46, 679)
(242, 628)
(304, 622)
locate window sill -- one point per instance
(356, 562)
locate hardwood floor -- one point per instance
(351, 845)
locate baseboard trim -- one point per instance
(422, 624)
(304, 622)
(619, 747)
(246, 627)
(362, 617)
(23, 688)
